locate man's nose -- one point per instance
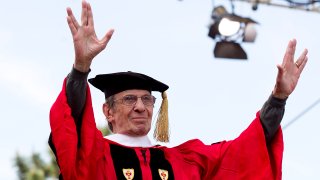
(139, 106)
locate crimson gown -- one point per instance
(247, 157)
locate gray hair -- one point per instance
(111, 104)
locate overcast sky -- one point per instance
(210, 99)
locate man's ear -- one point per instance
(108, 112)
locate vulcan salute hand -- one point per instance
(289, 71)
(86, 43)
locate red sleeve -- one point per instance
(249, 157)
(194, 160)
(74, 162)
(246, 157)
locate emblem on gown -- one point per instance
(163, 174)
(128, 173)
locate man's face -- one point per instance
(132, 120)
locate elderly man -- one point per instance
(83, 153)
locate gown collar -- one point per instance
(141, 141)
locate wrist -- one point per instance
(278, 95)
(82, 67)
(78, 75)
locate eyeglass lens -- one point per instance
(147, 100)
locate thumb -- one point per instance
(107, 37)
(280, 72)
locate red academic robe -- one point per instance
(248, 157)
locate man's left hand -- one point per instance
(289, 71)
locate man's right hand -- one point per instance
(86, 43)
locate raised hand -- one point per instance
(289, 71)
(86, 43)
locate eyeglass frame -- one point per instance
(122, 100)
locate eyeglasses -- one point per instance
(130, 100)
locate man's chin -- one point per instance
(141, 131)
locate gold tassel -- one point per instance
(161, 132)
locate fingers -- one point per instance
(301, 67)
(72, 22)
(302, 57)
(84, 13)
(289, 54)
(90, 16)
(302, 61)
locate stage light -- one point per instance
(229, 30)
(228, 27)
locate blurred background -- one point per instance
(218, 77)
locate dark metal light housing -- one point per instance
(231, 50)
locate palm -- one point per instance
(86, 44)
(289, 71)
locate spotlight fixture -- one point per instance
(229, 30)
